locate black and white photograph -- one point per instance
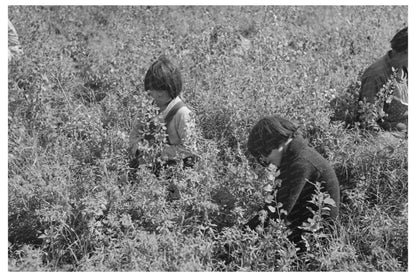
(207, 138)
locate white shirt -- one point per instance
(179, 132)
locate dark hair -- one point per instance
(399, 41)
(163, 75)
(268, 134)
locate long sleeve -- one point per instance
(370, 85)
(293, 184)
(374, 77)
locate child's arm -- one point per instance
(292, 185)
(369, 88)
(287, 195)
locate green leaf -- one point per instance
(272, 209)
(269, 198)
(329, 201)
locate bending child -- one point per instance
(273, 140)
(163, 83)
(378, 74)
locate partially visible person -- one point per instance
(274, 140)
(378, 74)
(163, 83)
(14, 47)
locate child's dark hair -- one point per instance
(269, 133)
(163, 75)
(399, 41)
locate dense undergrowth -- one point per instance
(74, 93)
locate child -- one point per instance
(163, 83)
(273, 140)
(377, 75)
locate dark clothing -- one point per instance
(373, 80)
(300, 164)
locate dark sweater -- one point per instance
(374, 78)
(299, 164)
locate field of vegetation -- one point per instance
(73, 95)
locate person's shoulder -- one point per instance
(184, 107)
(379, 67)
(184, 110)
(298, 169)
(304, 160)
(320, 164)
(310, 157)
(184, 113)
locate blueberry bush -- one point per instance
(74, 93)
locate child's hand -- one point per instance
(401, 127)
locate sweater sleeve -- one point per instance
(370, 85)
(292, 185)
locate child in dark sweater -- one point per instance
(273, 140)
(378, 74)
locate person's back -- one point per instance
(273, 140)
(300, 163)
(179, 123)
(374, 78)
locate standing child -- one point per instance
(163, 83)
(273, 140)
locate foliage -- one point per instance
(370, 113)
(73, 202)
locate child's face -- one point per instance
(160, 97)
